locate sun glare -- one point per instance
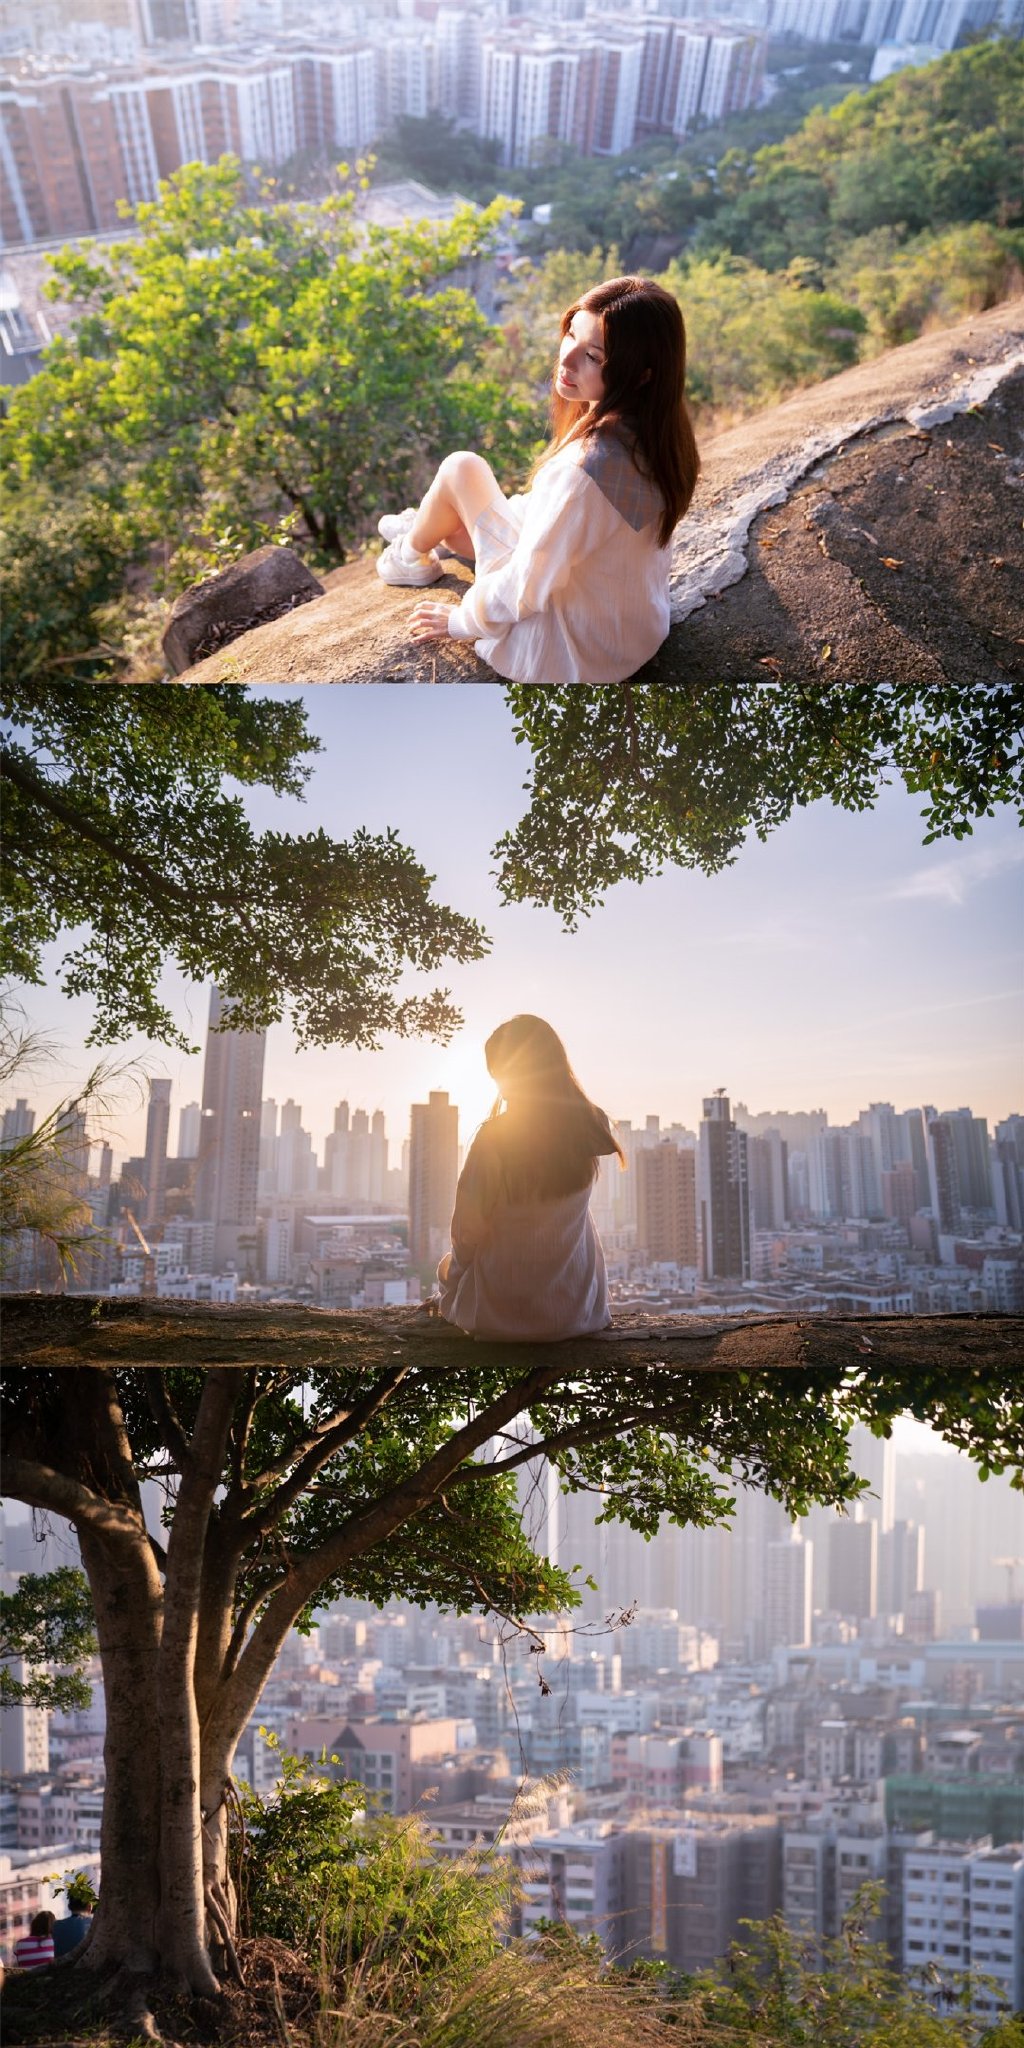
(462, 1072)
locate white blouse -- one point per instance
(582, 594)
(530, 1270)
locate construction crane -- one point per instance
(1010, 1565)
(148, 1288)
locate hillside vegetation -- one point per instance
(898, 209)
(250, 369)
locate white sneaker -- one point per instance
(392, 567)
(395, 525)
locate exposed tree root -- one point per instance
(218, 1909)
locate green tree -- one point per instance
(900, 286)
(371, 1476)
(431, 147)
(238, 371)
(752, 334)
(121, 831)
(47, 1620)
(629, 780)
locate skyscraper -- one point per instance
(154, 1172)
(433, 1174)
(227, 1174)
(724, 1194)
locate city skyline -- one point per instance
(894, 974)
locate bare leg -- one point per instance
(464, 486)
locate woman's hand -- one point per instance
(429, 620)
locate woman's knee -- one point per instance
(463, 464)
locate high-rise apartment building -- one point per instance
(943, 1172)
(154, 1170)
(853, 1567)
(973, 1159)
(1008, 1172)
(433, 1175)
(227, 1173)
(295, 1169)
(768, 1163)
(899, 1192)
(24, 1729)
(190, 1121)
(817, 21)
(874, 1459)
(788, 1573)
(900, 1566)
(666, 1191)
(724, 1194)
(74, 148)
(19, 1121)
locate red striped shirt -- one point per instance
(33, 1950)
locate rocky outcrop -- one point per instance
(866, 529)
(261, 587)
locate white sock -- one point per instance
(409, 553)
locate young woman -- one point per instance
(571, 576)
(526, 1261)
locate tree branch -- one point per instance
(260, 1521)
(166, 1419)
(42, 1487)
(240, 1432)
(363, 1531)
(17, 771)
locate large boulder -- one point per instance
(261, 587)
(866, 529)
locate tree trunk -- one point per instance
(126, 1595)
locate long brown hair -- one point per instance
(644, 388)
(551, 1136)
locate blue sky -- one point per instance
(843, 962)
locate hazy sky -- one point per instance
(841, 963)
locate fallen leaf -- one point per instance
(890, 562)
(998, 446)
(826, 652)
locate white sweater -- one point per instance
(583, 595)
(529, 1270)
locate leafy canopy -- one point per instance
(121, 831)
(629, 780)
(47, 1620)
(931, 145)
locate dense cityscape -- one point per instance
(912, 1211)
(737, 1723)
(100, 102)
